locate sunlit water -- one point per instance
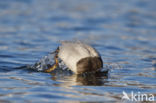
(123, 31)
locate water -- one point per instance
(123, 31)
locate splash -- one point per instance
(46, 62)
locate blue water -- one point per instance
(123, 31)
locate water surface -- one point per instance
(123, 31)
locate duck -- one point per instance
(79, 57)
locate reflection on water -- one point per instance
(122, 31)
(91, 79)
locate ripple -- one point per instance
(123, 33)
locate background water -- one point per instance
(123, 31)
